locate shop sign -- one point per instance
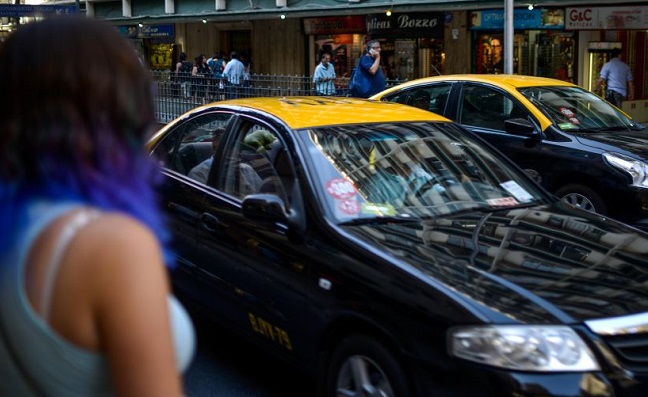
(406, 25)
(523, 18)
(27, 10)
(128, 31)
(149, 31)
(614, 18)
(334, 25)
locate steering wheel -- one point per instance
(437, 185)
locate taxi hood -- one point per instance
(631, 143)
(535, 265)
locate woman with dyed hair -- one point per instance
(85, 301)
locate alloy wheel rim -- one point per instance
(359, 376)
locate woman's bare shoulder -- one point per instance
(120, 241)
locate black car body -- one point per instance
(572, 142)
(476, 283)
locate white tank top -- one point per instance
(45, 363)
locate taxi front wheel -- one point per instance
(362, 366)
(583, 197)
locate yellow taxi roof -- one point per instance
(303, 112)
(502, 80)
(508, 82)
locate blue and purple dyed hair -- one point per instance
(75, 115)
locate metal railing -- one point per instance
(176, 96)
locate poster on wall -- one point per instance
(489, 54)
(161, 56)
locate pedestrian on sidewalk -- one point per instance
(324, 76)
(617, 76)
(368, 78)
(86, 307)
(233, 72)
(183, 75)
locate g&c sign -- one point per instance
(579, 18)
(614, 18)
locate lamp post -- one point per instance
(508, 36)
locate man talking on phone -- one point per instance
(368, 77)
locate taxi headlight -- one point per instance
(524, 348)
(638, 170)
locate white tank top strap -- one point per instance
(70, 229)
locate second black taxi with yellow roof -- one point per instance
(571, 141)
(386, 251)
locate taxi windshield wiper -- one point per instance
(610, 128)
(380, 220)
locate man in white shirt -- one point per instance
(324, 76)
(234, 71)
(618, 78)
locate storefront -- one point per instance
(155, 44)
(542, 46)
(342, 37)
(412, 43)
(600, 29)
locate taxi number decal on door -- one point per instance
(270, 331)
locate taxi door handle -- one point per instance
(209, 221)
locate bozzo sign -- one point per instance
(419, 24)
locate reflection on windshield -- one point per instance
(575, 109)
(409, 170)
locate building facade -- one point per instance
(565, 40)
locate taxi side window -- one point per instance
(432, 98)
(257, 163)
(190, 151)
(249, 169)
(487, 108)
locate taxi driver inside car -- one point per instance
(388, 189)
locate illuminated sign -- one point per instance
(28, 10)
(149, 31)
(523, 18)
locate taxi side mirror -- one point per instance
(271, 209)
(520, 127)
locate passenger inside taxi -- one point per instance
(421, 100)
(201, 171)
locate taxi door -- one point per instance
(483, 110)
(268, 284)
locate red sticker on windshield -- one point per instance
(340, 189)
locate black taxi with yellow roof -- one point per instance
(574, 143)
(384, 250)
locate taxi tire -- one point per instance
(384, 369)
(583, 197)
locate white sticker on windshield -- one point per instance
(517, 191)
(502, 202)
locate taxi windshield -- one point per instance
(577, 110)
(409, 170)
